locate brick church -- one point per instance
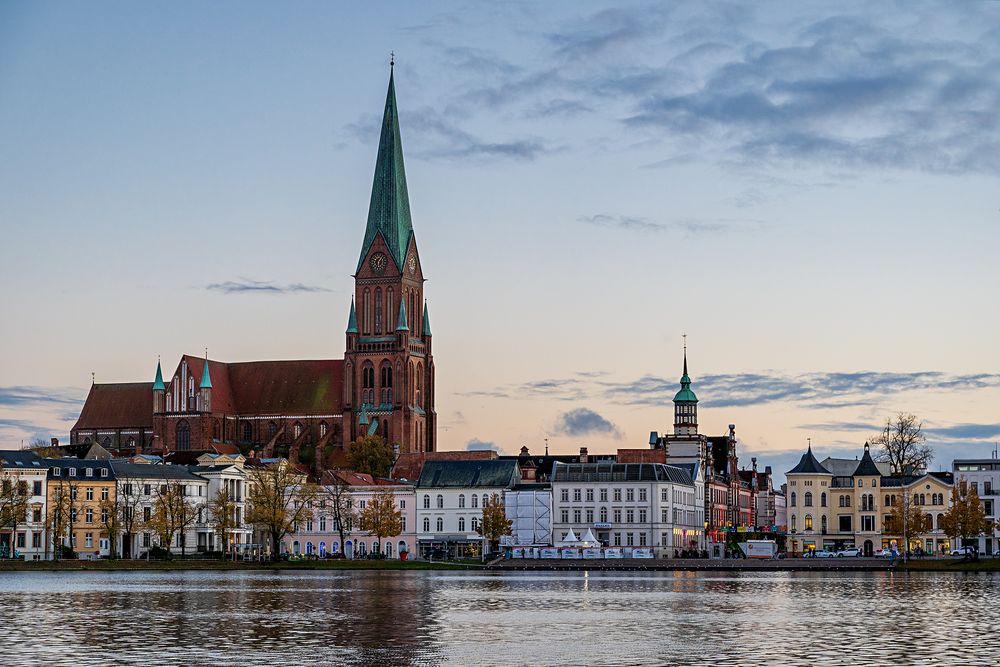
(307, 410)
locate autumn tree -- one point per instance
(111, 518)
(222, 512)
(335, 496)
(43, 449)
(14, 499)
(495, 523)
(902, 445)
(60, 515)
(906, 519)
(279, 497)
(966, 517)
(128, 505)
(381, 517)
(172, 514)
(371, 455)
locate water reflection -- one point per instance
(404, 618)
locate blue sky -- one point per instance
(809, 192)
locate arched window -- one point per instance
(807, 499)
(809, 522)
(183, 436)
(822, 523)
(822, 499)
(888, 500)
(386, 381)
(106, 442)
(461, 524)
(366, 313)
(793, 499)
(475, 500)
(389, 312)
(440, 525)
(418, 385)
(929, 522)
(475, 523)
(461, 501)
(368, 383)
(378, 312)
(322, 429)
(847, 501)
(272, 430)
(440, 501)
(248, 431)
(486, 499)
(427, 525)
(793, 522)
(427, 502)
(297, 430)
(940, 519)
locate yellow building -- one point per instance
(77, 490)
(842, 503)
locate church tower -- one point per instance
(388, 367)
(685, 405)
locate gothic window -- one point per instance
(247, 431)
(388, 307)
(385, 429)
(368, 383)
(413, 311)
(217, 430)
(419, 385)
(386, 382)
(272, 430)
(297, 430)
(322, 429)
(378, 312)
(183, 436)
(366, 313)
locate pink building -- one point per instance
(319, 535)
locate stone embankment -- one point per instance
(762, 565)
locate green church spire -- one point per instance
(401, 325)
(206, 378)
(685, 394)
(427, 321)
(389, 210)
(158, 383)
(352, 321)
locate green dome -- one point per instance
(685, 395)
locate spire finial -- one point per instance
(392, 59)
(810, 441)
(546, 446)
(93, 377)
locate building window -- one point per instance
(461, 524)
(564, 515)
(576, 516)
(427, 525)
(809, 522)
(822, 523)
(440, 525)
(642, 495)
(90, 493)
(617, 516)
(618, 495)
(822, 500)
(604, 495)
(440, 502)
(590, 516)
(604, 515)
(247, 431)
(807, 499)
(461, 501)
(793, 499)
(629, 516)
(564, 495)
(427, 502)
(576, 495)
(793, 522)
(630, 495)
(183, 436)
(590, 495)
(475, 500)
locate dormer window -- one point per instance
(104, 472)
(89, 472)
(57, 472)
(72, 472)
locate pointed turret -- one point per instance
(427, 321)
(158, 384)
(867, 465)
(389, 210)
(352, 320)
(401, 325)
(685, 405)
(206, 377)
(205, 398)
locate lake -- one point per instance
(460, 618)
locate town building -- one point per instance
(843, 503)
(450, 500)
(629, 505)
(305, 410)
(78, 492)
(984, 476)
(23, 479)
(319, 535)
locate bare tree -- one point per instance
(222, 511)
(14, 498)
(61, 515)
(336, 495)
(129, 503)
(902, 445)
(172, 514)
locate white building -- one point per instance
(629, 505)
(984, 474)
(22, 472)
(224, 471)
(450, 498)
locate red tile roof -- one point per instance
(642, 456)
(299, 387)
(409, 466)
(121, 405)
(351, 478)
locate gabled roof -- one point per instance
(81, 465)
(19, 458)
(119, 405)
(352, 478)
(469, 474)
(808, 465)
(389, 210)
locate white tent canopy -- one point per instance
(571, 540)
(589, 540)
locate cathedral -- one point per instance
(307, 410)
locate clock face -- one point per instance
(413, 264)
(377, 262)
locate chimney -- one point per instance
(583, 455)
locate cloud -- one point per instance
(583, 421)
(248, 286)
(964, 432)
(476, 445)
(690, 226)
(20, 395)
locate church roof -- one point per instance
(427, 321)
(352, 320)
(401, 325)
(389, 210)
(808, 465)
(123, 404)
(158, 383)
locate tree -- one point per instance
(966, 517)
(111, 517)
(381, 517)
(128, 502)
(43, 449)
(906, 519)
(336, 495)
(495, 523)
(901, 444)
(279, 497)
(222, 511)
(60, 516)
(14, 498)
(371, 455)
(172, 514)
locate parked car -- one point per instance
(823, 553)
(851, 552)
(964, 551)
(887, 553)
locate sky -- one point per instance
(807, 191)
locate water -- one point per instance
(458, 618)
